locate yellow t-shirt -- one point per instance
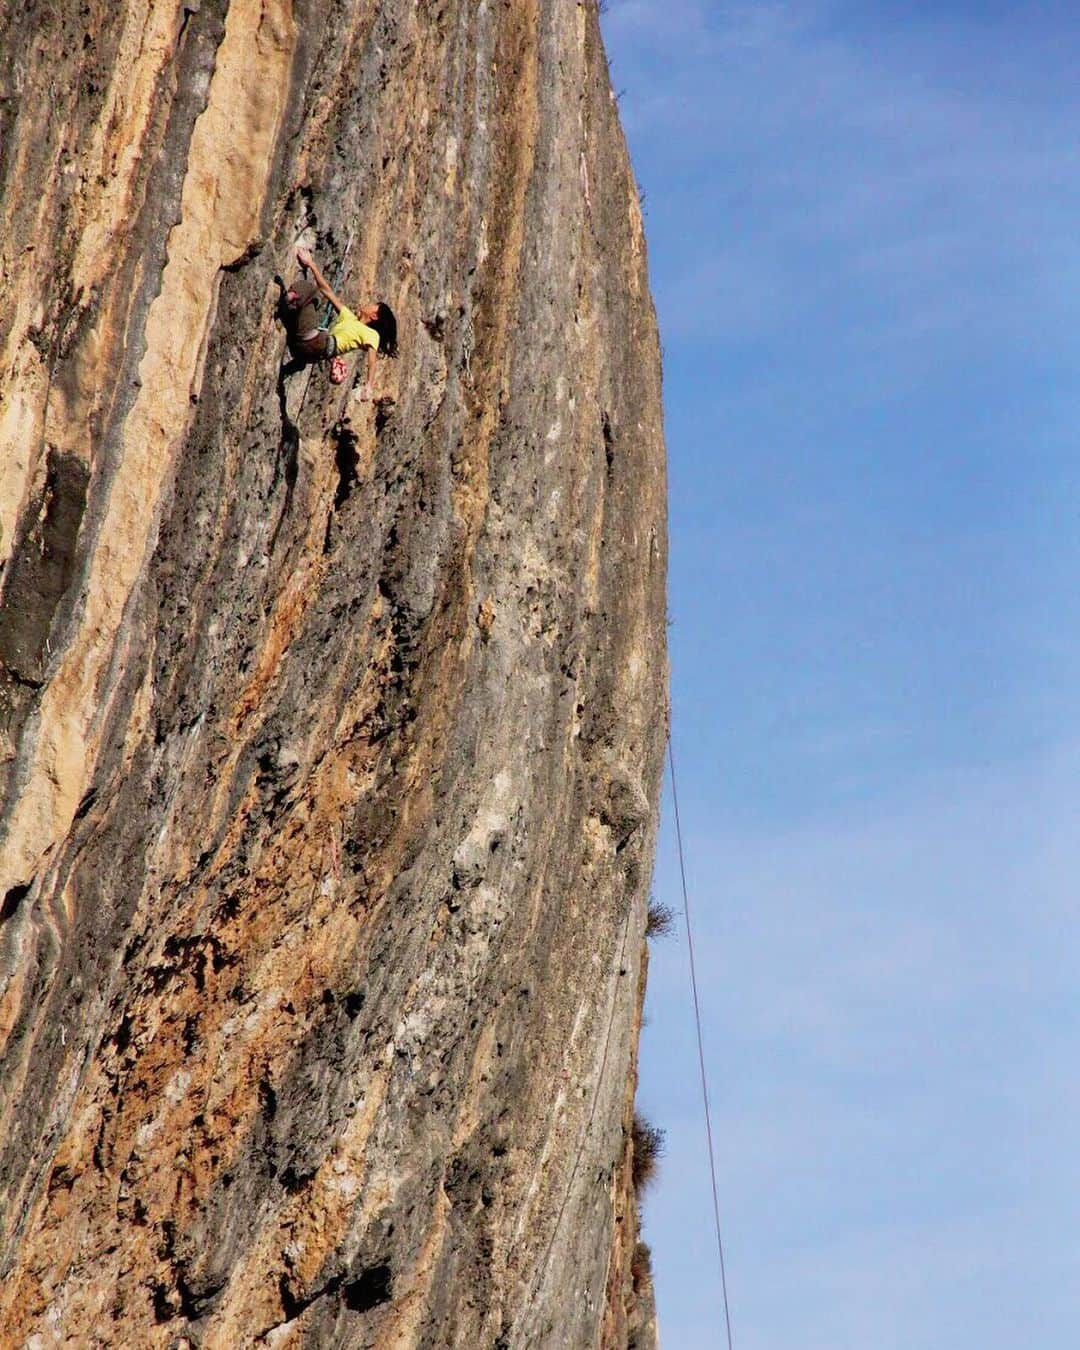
(349, 333)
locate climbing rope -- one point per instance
(700, 1043)
(328, 312)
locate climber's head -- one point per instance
(338, 370)
(381, 317)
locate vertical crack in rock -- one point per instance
(331, 732)
(228, 159)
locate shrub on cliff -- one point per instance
(660, 920)
(647, 1142)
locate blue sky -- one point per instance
(862, 222)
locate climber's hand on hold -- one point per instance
(303, 257)
(363, 394)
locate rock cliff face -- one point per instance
(331, 732)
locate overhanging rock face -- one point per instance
(329, 757)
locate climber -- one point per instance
(374, 327)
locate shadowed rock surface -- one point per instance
(330, 733)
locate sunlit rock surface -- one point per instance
(329, 755)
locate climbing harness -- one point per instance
(700, 1044)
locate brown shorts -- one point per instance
(321, 347)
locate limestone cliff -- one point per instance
(330, 732)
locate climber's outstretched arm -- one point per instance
(308, 263)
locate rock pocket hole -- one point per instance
(13, 899)
(374, 1286)
(347, 458)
